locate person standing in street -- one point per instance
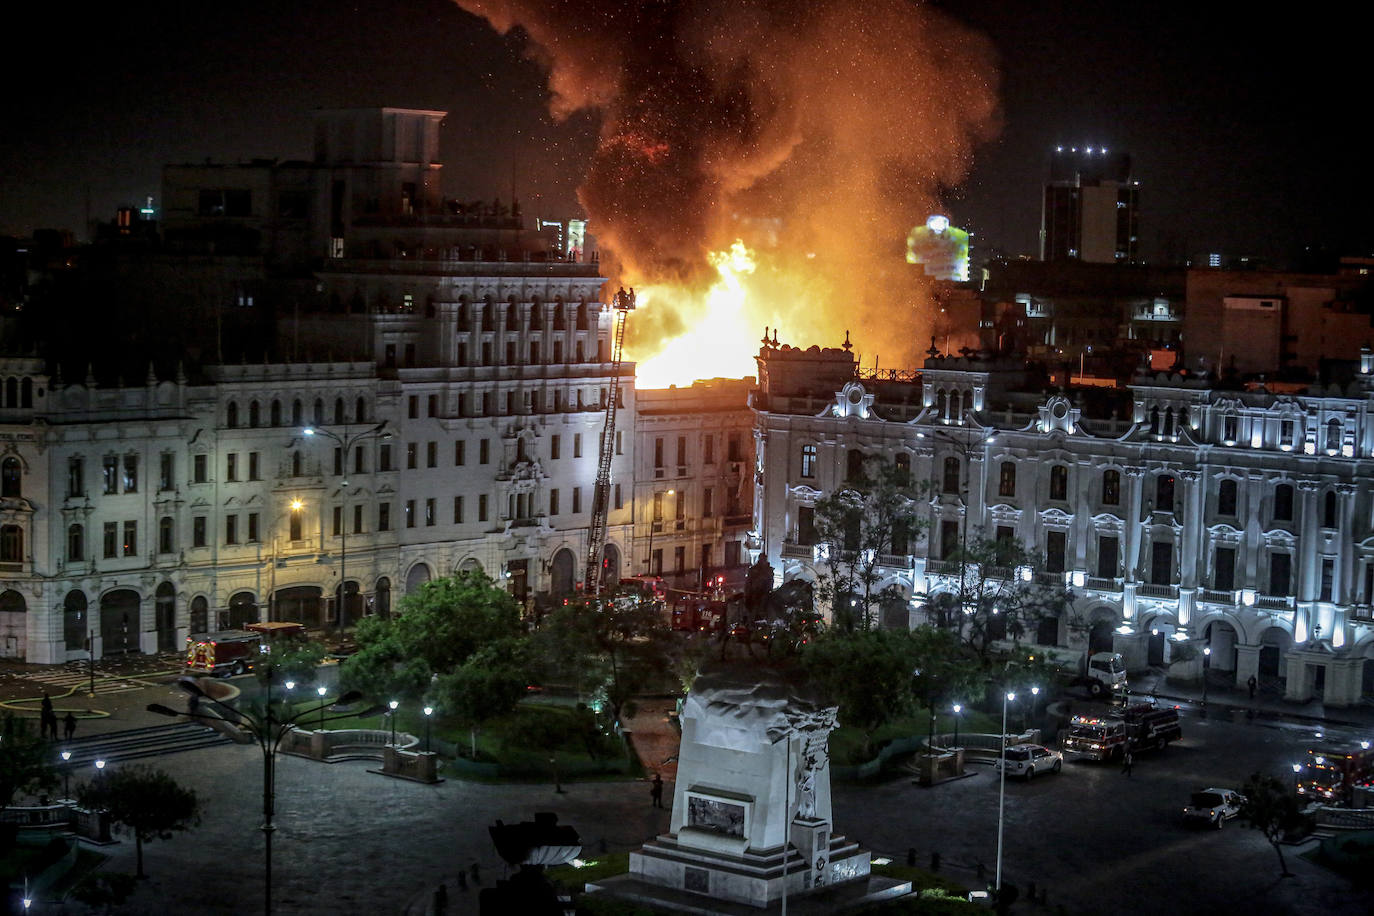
(656, 791)
(1252, 685)
(69, 725)
(1127, 762)
(47, 718)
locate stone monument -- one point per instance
(751, 806)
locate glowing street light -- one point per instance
(66, 775)
(392, 706)
(1002, 793)
(1206, 664)
(957, 709)
(321, 690)
(429, 711)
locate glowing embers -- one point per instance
(722, 323)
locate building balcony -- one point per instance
(797, 551)
(1274, 602)
(1213, 596)
(894, 561)
(1101, 584)
(1362, 613)
(739, 521)
(942, 567)
(1150, 590)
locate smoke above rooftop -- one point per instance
(816, 132)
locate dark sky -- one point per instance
(1244, 130)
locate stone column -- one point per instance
(1192, 544)
(1247, 664)
(1134, 477)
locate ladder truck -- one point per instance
(622, 305)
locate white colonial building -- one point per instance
(1175, 510)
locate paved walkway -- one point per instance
(1267, 701)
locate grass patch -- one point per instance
(87, 861)
(596, 869)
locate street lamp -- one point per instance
(654, 508)
(1297, 768)
(1206, 664)
(66, 775)
(346, 442)
(429, 711)
(957, 709)
(1002, 792)
(392, 714)
(268, 728)
(321, 690)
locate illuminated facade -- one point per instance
(1175, 510)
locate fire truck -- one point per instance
(1331, 774)
(235, 651)
(1138, 727)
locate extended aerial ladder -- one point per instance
(622, 305)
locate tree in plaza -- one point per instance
(999, 595)
(436, 630)
(943, 673)
(868, 673)
(486, 686)
(614, 645)
(872, 516)
(146, 802)
(1274, 811)
(26, 760)
(290, 660)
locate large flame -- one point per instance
(817, 132)
(720, 344)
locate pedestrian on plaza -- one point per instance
(1127, 763)
(656, 791)
(69, 725)
(1252, 685)
(47, 717)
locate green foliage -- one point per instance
(144, 801)
(26, 760)
(868, 673)
(614, 646)
(1274, 811)
(290, 660)
(105, 890)
(944, 674)
(486, 686)
(875, 514)
(995, 601)
(436, 630)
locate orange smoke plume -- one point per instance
(814, 133)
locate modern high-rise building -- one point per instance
(1090, 207)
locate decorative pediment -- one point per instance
(803, 492)
(853, 401)
(1059, 415)
(1055, 516)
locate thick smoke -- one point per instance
(818, 132)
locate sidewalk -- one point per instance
(1227, 697)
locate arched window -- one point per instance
(1333, 435)
(1059, 482)
(231, 415)
(296, 464)
(1164, 493)
(338, 412)
(26, 393)
(200, 614)
(11, 477)
(76, 543)
(1283, 503)
(1154, 420)
(276, 412)
(950, 483)
(319, 412)
(11, 392)
(1226, 498)
(297, 414)
(1329, 509)
(254, 415)
(360, 411)
(854, 468)
(1006, 481)
(903, 464)
(1111, 487)
(11, 544)
(942, 404)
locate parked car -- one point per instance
(1213, 807)
(1028, 759)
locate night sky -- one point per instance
(1244, 131)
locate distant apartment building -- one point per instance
(1090, 208)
